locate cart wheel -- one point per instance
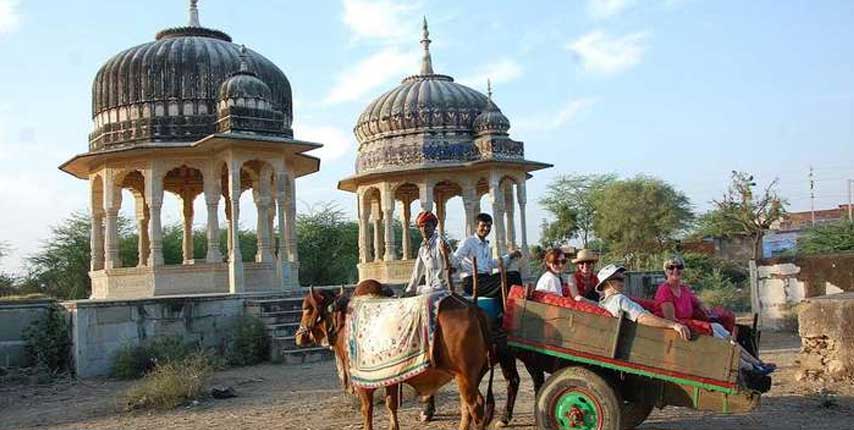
(634, 413)
(577, 398)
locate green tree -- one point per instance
(328, 246)
(828, 238)
(640, 216)
(740, 211)
(61, 267)
(570, 199)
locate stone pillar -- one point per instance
(406, 215)
(143, 243)
(212, 194)
(387, 200)
(364, 229)
(154, 197)
(96, 217)
(112, 204)
(187, 224)
(497, 200)
(508, 215)
(376, 221)
(521, 198)
(291, 225)
(440, 214)
(281, 208)
(261, 195)
(425, 195)
(228, 236)
(235, 259)
(469, 197)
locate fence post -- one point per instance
(755, 305)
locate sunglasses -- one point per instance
(586, 263)
(561, 261)
(674, 268)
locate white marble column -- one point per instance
(141, 210)
(509, 221)
(291, 225)
(228, 235)
(522, 199)
(440, 214)
(387, 206)
(282, 251)
(376, 222)
(497, 200)
(260, 194)
(469, 197)
(425, 196)
(187, 227)
(96, 217)
(112, 204)
(364, 229)
(154, 197)
(406, 215)
(235, 259)
(213, 192)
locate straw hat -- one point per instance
(585, 255)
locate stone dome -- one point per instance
(491, 120)
(244, 84)
(167, 90)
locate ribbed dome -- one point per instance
(166, 90)
(491, 121)
(421, 101)
(244, 84)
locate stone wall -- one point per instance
(782, 283)
(14, 319)
(826, 326)
(100, 328)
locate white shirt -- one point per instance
(473, 246)
(429, 262)
(619, 302)
(550, 282)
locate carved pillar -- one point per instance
(213, 192)
(154, 197)
(143, 244)
(387, 206)
(96, 235)
(508, 215)
(187, 224)
(521, 198)
(406, 215)
(291, 224)
(364, 229)
(425, 195)
(469, 197)
(228, 236)
(497, 200)
(235, 259)
(112, 204)
(376, 221)
(441, 201)
(281, 208)
(261, 195)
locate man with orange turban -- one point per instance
(433, 254)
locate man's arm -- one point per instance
(651, 320)
(417, 271)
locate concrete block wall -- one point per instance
(14, 319)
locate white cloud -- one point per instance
(336, 143)
(384, 20)
(371, 73)
(504, 70)
(9, 17)
(547, 121)
(603, 54)
(601, 9)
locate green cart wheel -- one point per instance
(576, 398)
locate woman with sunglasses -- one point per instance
(551, 281)
(585, 276)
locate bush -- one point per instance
(828, 238)
(48, 341)
(170, 384)
(134, 361)
(248, 342)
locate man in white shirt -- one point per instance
(476, 245)
(433, 254)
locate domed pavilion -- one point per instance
(431, 139)
(192, 113)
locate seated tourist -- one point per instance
(610, 286)
(552, 282)
(585, 278)
(678, 302)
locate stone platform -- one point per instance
(826, 326)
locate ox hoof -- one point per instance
(425, 417)
(501, 424)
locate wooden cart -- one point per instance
(608, 373)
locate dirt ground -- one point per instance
(308, 397)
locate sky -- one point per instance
(684, 90)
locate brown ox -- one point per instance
(461, 348)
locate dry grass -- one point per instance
(170, 384)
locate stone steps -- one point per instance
(282, 318)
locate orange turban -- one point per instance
(425, 217)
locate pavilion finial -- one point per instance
(244, 65)
(426, 61)
(194, 13)
(489, 88)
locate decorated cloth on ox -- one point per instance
(390, 340)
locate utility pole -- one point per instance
(850, 198)
(812, 196)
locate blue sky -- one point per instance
(685, 90)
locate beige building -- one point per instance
(192, 114)
(428, 140)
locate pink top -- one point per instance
(683, 305)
